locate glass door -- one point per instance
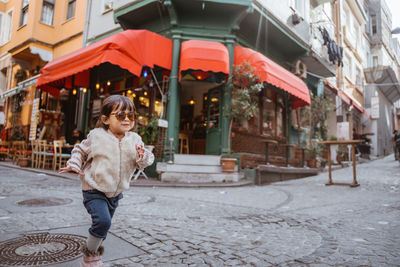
(213, 131)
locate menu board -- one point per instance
(34, 119)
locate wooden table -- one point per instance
(353, 153)
(267, 142)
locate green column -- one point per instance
(173, 98)
(227, 96)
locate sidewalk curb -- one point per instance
(194, 185)
(48, 172)
(134, 183)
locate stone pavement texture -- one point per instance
(293, 223)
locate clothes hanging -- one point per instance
(335, 51)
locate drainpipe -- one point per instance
(173, 99)
(87, 22)
(336, 8)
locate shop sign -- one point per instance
(343, 130)
(375, 107)
(162, 123)
(34, 119)
(50, 117)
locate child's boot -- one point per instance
(92, 259)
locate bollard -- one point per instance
(171, 141)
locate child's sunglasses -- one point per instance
(121, 115)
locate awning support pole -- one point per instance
(173, 100)
(227, 97)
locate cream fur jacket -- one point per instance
(108, 163)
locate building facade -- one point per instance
(382, 76)
(34, 33)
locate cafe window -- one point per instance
(280, 126)
(268, 121)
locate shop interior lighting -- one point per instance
(84, 90)
(129, 92)
(214, 99)
(108, 83)
(145, 73)
(97, 86)
(145, 93)
(134, 95)
(191, 101)
(74, 92)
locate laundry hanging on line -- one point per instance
(335, 51)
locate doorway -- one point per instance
(199, 127)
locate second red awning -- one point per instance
(131, 50)
(273, 73)
(205, 56)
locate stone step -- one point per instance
(189, 168)
(179, 177)
(197, 159)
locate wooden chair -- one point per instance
(60, 159)
(183, 144)
(4, 150)
(18, 150)
(35, 154)
(45, 156)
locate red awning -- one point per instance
(273, 73)
(131, 50)
(205, 56)
(361, 109)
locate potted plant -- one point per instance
(245, 87)
(149, 133)
(314, 154)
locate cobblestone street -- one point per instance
(294, 223)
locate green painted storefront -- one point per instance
(230, 22)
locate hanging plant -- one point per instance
(245, 89)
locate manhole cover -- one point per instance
(40, 249)
(44, 202)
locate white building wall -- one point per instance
(100, 21)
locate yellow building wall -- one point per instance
(68, 47)
(34, 30)
(61, 38)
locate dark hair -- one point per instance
(111, 103)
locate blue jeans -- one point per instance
(102, 209)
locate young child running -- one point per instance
(105, 162)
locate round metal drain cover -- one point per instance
(44, 202)
(40, 249)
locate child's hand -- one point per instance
(70, 169)
(140, 152)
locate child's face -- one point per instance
(120, 121)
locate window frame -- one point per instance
(23, 19)
(53, 4)
(68, 15)
(7, 26)
(103, 5)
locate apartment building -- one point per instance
(382, 76)
(34, 33)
